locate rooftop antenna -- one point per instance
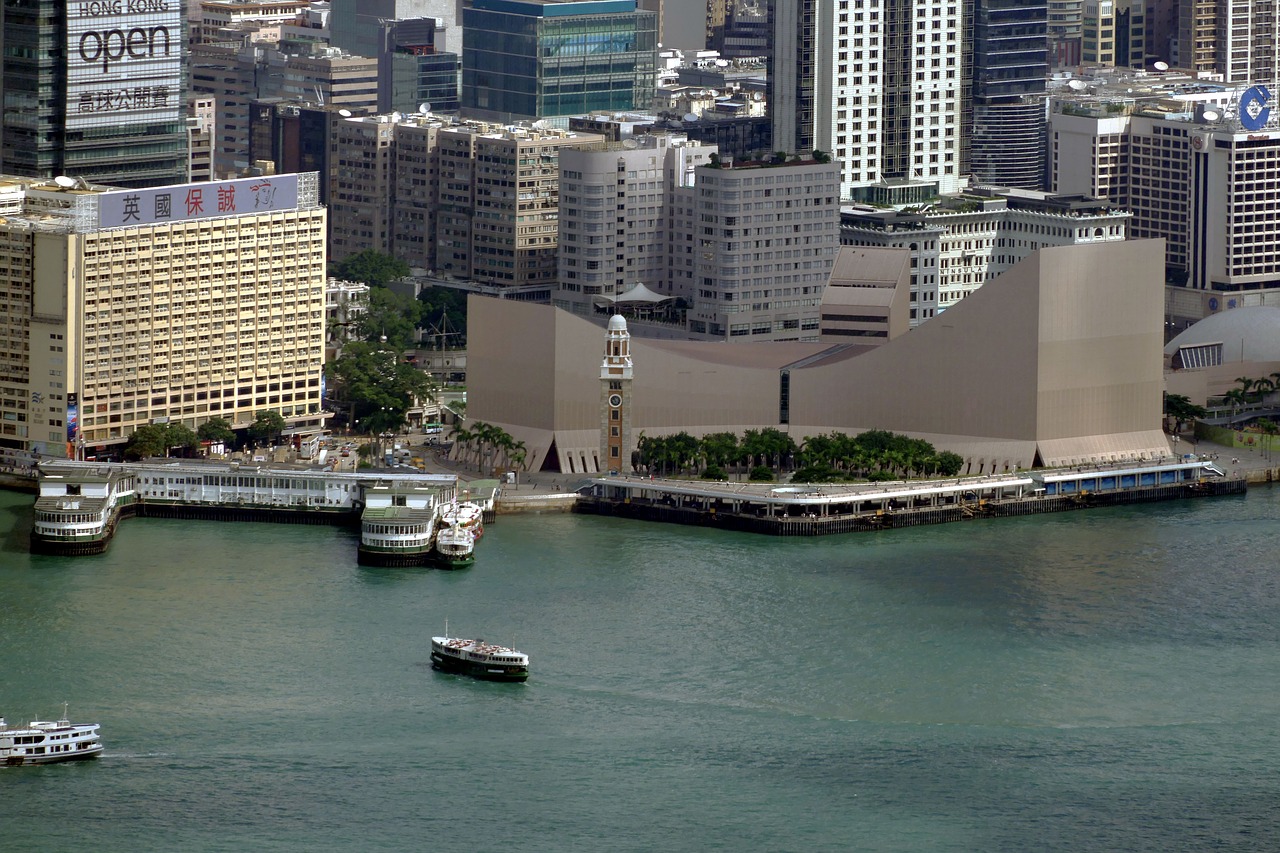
(345, 113)
(1160, 65)
(65, 182)
(424, 108)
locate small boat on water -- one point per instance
(46, 742)
(455, 547)
(479, 659)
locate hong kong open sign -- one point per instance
(124, 62)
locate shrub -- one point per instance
(714, 472)
(761, 474)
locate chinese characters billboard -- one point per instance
(184, 202)
(124, 62)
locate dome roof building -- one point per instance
(1240, 335)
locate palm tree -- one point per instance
(1237, 398)
(519, 452)
(462, 438)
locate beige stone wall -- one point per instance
(1061, 355)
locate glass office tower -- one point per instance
(532, 59)
(93, 90)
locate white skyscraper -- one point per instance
(879, 84)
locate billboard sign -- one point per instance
(124, 62)
(1254, 112)
(186, 202)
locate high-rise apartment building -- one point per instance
(763, 244)
(470, 200)
(537, 59)
(499, 203)
(1237, 39)
(1203, 184)
(177, 304)
(615, 227)
(239, 74)
(93, 90)
(878, 84)
(1115, 32)
(1010, 61)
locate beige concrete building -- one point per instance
(1058, 361)
(868, 299)
(120, 308)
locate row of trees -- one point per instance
(1250, 390)
(873, 455)
(162, 439)
(488, 445)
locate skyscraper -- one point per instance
(93, 90)
(532, 59)
(879, 84)
(1010, 60)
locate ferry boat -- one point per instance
(77, 513)
(45, 742)
(397, 526)
(479, 659)
(455, 547)
(465, 514)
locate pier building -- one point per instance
(80, 503)
(821, 509)
(120, 308)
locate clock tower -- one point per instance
(615, 399)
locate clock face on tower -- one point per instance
(615, 400)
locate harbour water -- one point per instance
(1092, 681)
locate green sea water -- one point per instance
(1093, 681)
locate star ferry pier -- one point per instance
(816, 510)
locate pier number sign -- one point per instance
(124, 62)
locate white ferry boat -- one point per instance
(465, 514)
(397, 526)
(44, 742)
(455, 547)
(479, 659)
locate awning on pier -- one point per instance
(1116, 447)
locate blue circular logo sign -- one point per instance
(1213, 303)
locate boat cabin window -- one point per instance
(73, 488)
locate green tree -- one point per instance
(372, 267)
(218, 431)
(267, 426)
(1182, 410)
(180, 436)
(1236, 397)
(444, 312)
(949, 464)
(392, 316)
(377, 387)
(147, 440)
(719, 449)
